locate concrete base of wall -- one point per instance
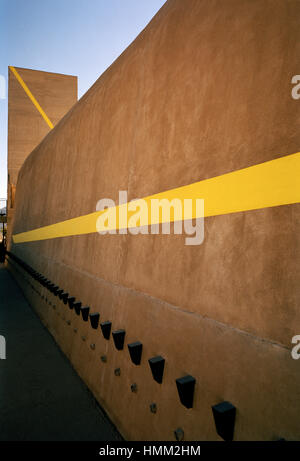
(228, 364)
(42, 397)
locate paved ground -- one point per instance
(41, 396)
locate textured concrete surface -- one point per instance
(56, 94)
(41, 396)
(258, 376)
(204, 90)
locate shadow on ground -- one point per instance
(41, 396)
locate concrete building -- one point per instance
(203, 91)
(55, 94)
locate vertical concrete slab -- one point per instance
(56, 94)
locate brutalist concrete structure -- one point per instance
(204, 90)
(56, 94)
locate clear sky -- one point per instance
(77, 37)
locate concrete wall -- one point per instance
(56, 94)
(204, 90)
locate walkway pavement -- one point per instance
(41, 396)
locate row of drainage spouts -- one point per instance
(224, 412)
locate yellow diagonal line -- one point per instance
(269, 184)
(32, 98)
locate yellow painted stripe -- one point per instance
(268, 184)
(30, 95)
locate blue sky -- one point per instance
(77, 37)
